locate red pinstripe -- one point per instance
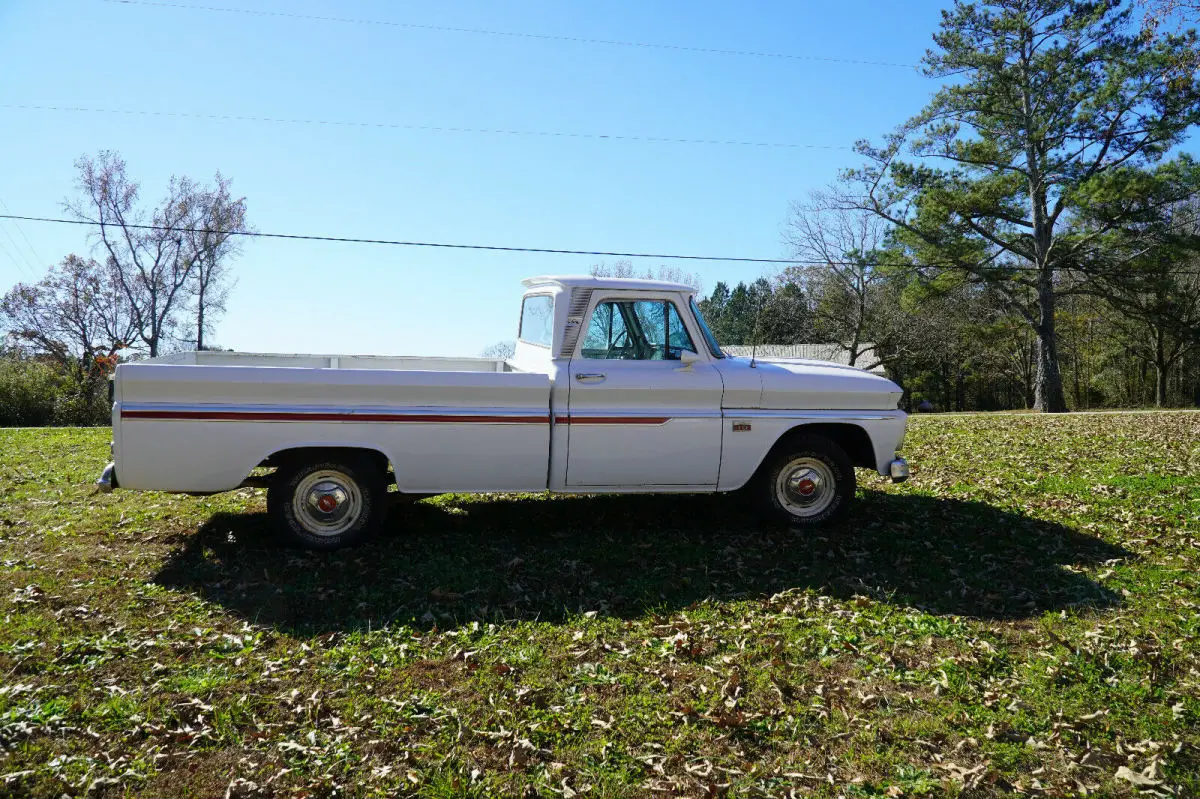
(611, 419)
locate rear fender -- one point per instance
(308, 453)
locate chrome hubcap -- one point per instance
(805, 487)
(327, 502)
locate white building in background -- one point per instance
(814, 352)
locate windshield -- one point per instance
(709, 339)
(641, 330)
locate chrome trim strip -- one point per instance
(651, 413)
(835, 415)
(365, 410)
(155, 408)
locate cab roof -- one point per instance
(591, 282)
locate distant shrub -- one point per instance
(29, 392)
(35, 394)
(72, 409)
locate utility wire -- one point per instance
(15, 262)
(20, 253)
(433, 128)
(399, 243)
(515, 34)
(497, 248)
(37, 257)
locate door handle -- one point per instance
(584, 376)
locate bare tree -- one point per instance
(501, 350)
(76, 315)
(214, 239)
(842, 278)
(1157, 12)
(671, 274)
(155, 254)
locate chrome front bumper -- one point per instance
(898, 470)
(108, 480)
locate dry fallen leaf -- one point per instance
(1142, 780)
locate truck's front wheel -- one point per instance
(809, 482)
(327, 504)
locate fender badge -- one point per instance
(741, 427)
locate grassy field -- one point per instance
(1020, 618)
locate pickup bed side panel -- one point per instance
(203, 428)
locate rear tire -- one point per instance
(807, 483)
(327, 504)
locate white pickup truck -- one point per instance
(616, 386)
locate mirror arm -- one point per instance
(688, 359)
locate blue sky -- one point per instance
(511, 190)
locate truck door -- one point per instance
(645, 402)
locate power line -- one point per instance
(15, 262)
(498, 248)
(32, 269)
(21, 230)
(399, 243)
(432, 128)
(514, 34)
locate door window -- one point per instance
(636, 330)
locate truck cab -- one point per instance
(645, 399)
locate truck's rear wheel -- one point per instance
(808, 482)
(327, 504)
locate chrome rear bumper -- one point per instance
(898, 470)
(108, 480)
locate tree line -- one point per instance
(1029, 238)
(962, 349)
(157, 279)
(1044, 171)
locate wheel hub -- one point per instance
(327, 502)
(805, 486)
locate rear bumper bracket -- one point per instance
(108, 479)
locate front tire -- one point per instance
(807, 483)
(327, 504)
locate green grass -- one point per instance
(1023, 616)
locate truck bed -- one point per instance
(447, 423)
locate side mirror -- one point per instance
(687, 358)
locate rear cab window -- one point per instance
(537, 320)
